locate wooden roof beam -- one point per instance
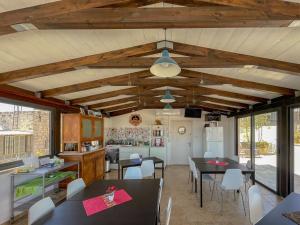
(90, 98)
(113, 102)
(237, 82)
(27, 15)
(171, 17)
(213, 54)
(270, 7)
(57, 67)
(125, 79)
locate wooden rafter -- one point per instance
(124, 111)
(57, 67)
(7, 91)
(184, 62)
(125, 79)
(29, 14)
(127, 91)
(174, 17)
(273, 7)
(114, 102)
(194, 50)
(196, 91)
(237, 82)
(123, 106)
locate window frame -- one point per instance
(14, 164)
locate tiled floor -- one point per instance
(186, 209)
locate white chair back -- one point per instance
(74, 187)
(209, 155)
(190, 163)
(134, 156)
(233, 179)
(168, 211)
(40, 209)
(248, 175)
(255, 204)
(133, 173)
(160, 193)
(147, 168)
(194, 169)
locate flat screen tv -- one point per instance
(193, 112)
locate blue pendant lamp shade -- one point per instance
(168, 97)
(165, 66)
(167, 107)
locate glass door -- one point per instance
(296, 146)
(265, 149)
(244, 139)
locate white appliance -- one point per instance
(213, 141)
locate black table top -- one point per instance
(290, 204)
(141, 210)
(204, 167)
(137, 162)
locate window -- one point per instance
(266, 149)
(24, 131)
(244, 139)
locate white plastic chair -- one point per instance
(168, 211)
(134, 156)
(40, 209)
(147, 168)
(75, 187)
(159, 198)
(232, 181)
(190, 169)
(255, 204)
(209, 155)
(247, 176)
(205, 177)
(133, 173)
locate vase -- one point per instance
(111, 196)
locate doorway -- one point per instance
(181, 142)
(296, 148)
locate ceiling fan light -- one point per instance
(168, 97)
(165, 66)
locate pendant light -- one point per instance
(165, 66)
(168, 97)
(168, 107)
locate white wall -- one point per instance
(149, 116)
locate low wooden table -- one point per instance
(290, 204)
(205, 168)
(140, 210)
(136, 162)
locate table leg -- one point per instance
(118, 171)
(122, 173)
(154, 172)
(253, 178)
(201, 200)
(163, 170)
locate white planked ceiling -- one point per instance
(37, 47)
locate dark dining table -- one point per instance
(125, 163)
(290, 204)
(206, 168)
(142, 209)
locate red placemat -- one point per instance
(100, 203)
(220, 163)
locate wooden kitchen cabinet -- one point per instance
(91, 164)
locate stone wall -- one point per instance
(36, 121)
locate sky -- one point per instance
(10, 108)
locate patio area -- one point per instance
(266, 169)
